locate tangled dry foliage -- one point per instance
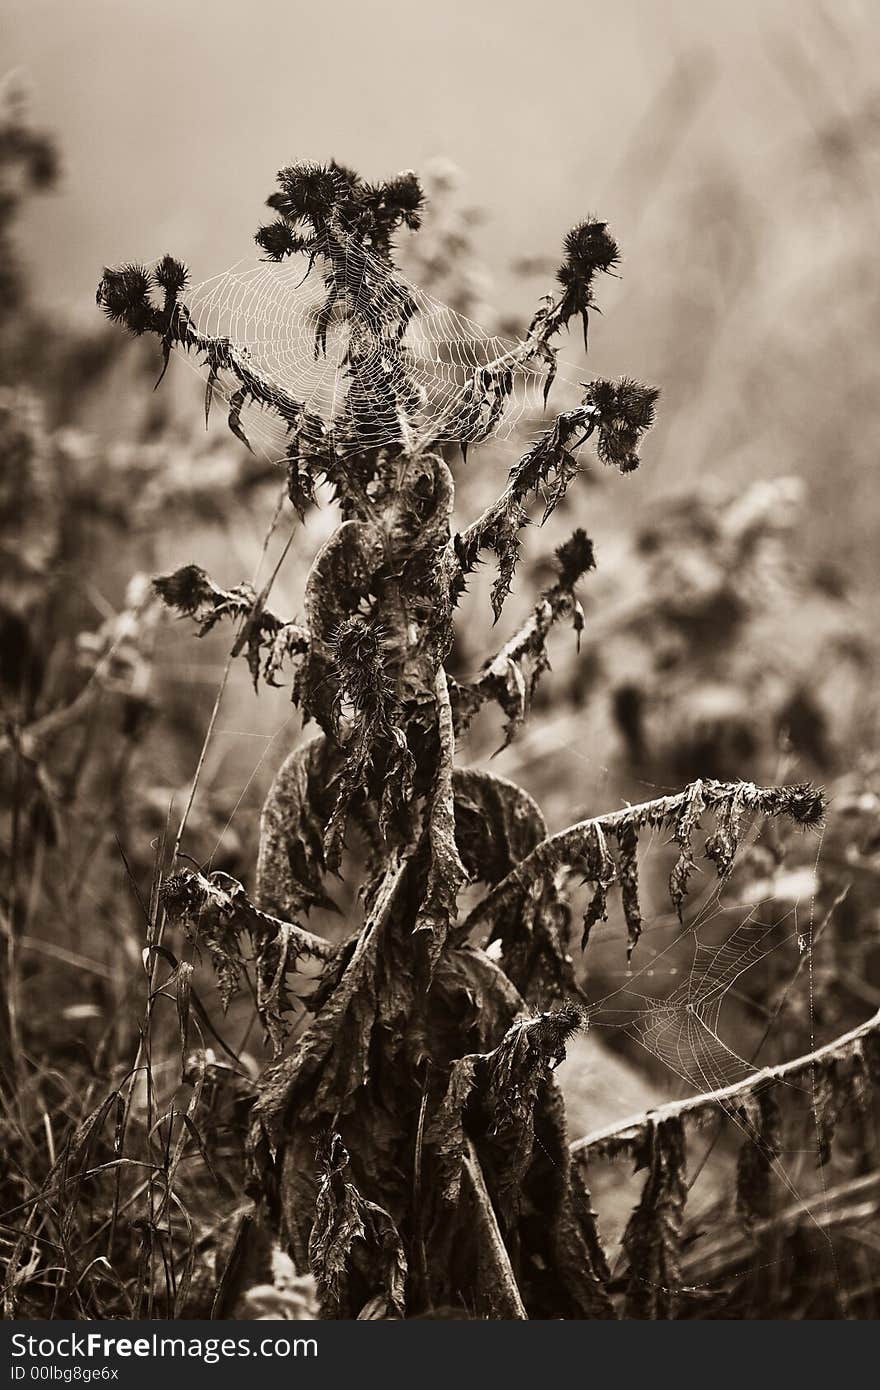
(408, 1146)
(441, 1176)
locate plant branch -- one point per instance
(194, 896)
(582, 846)
(502, 678)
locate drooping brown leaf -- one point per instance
(501, 1088)
(686, 827)
(602, 872)
(829, 1094)
(497, 825)
(628, 878)
(291, 867)
(513, 1073)
(759, 1152)
(652, 1239)
(570, 1277)
(323, 1078)
(723, 843)
(355, 1250)
(511, 677)
(215, 911)
(578, 848)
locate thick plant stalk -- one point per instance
(500, 1280)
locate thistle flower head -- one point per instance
(361, 661)
(171, 275)
(278, 239)
(124, 295)
(180, 895)
(575, 558)
(589, 248)
(310, 190)
(624, 412)
(319, 194)
(404, 197)
(552, 1030)
(804, 803)
(186, 589)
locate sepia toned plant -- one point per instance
(409, 1144)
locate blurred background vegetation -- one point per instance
(730, 624)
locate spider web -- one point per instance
(682, 1027)
(683, 1030)
(381, 336)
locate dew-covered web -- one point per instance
(701, 963)
(671, 1002)
(378, 336)
(685, 1030)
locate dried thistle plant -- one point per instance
(425, 1072)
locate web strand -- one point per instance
(683, 1031)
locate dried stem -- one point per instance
(576, 845)
(626, 1132)
(503, 1286)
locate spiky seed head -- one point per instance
(171, 275)
(186, 589)
(124, 295)
(624, 412)
(311, 190)
(575, 557)
(805, 803)
(361, 659)
(589, 247)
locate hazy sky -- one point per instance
(173, 115)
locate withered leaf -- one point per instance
(652, 1239)
(355, 1250)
